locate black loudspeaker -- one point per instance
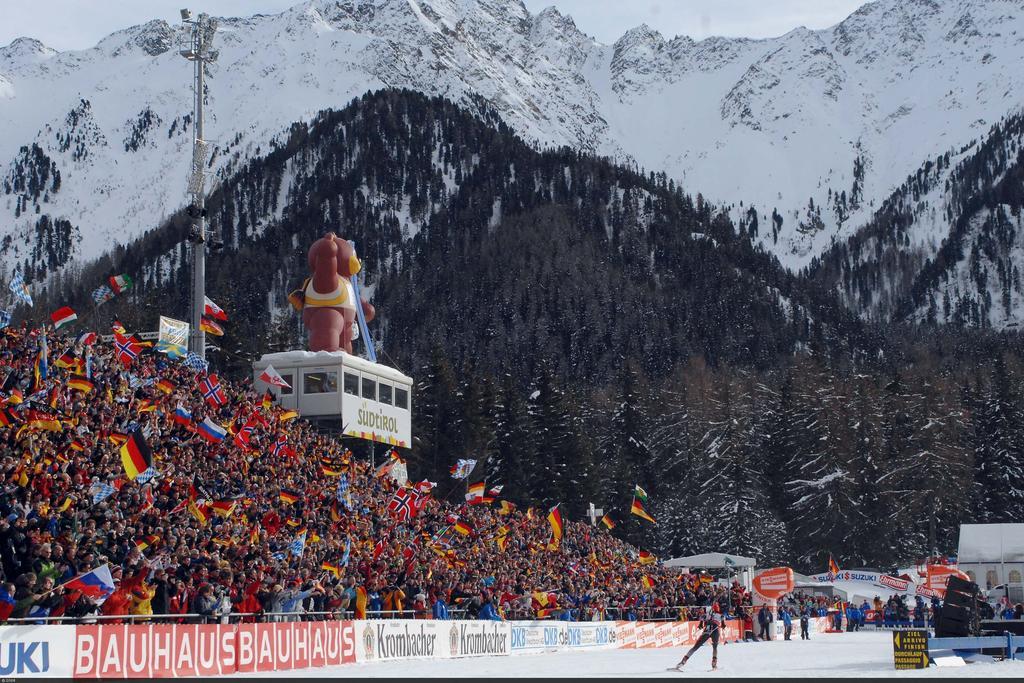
(959, 614)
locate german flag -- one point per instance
(146, 406)
(292, 522)
(254, 535)
(288, 415)
(7, 417)
(289, 497)
(332, 568)
(645, 557)
(330, 469)
(81, 383)
(135, 455)
(608, 522)
(638, 507)
(463, 528)
(166, 386)
(555, 520)
(268, 400)
(67, 360)
(335, 513)
(833, 567)
(224, 508)
(506, 508)
(40, 420)
(502, 538)
(77, 445)
(648, 582)
(147, 541)
(118, 438)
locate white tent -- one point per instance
(745, 565)
(711, 561)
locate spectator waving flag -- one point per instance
(194, 362)
(20, 289)
(298, 546)
(119, 283)
(639, 506)
(213, 310)
(274, 378)
(96, 584)
(136, 455)
(404, 504)
(555, 520)
(833, 568)
(462, 468)
(211, 390)
(100, 491)
(127, 348)
(102, 295)
(64, 315)
(211, 431)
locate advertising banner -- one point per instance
(536, 636)
(36, 651)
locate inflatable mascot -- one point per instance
(327, 299)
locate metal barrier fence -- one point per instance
(230, 618)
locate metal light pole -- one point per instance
(200, 54)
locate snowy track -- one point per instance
(864, 654)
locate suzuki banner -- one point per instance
(30, 651)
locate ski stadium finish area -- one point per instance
(452, 648)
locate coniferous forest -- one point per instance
(584, 327)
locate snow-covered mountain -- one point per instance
(818, 125)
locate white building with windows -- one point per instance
(992, 554)
(372, 401)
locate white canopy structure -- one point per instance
(744, 565)
(711, 561)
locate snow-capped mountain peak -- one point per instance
(782, 126)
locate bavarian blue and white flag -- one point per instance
(102, 294)
(299, 544)
(20, 289)
(100, 491)
(5, 319)
(145, 475)
(193, 361)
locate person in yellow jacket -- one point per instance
(142, 600)
(394, 601)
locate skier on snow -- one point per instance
(712, 623)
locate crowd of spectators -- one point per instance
(170, 551)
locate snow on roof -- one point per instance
(991, 543)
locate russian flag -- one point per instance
(182, 416)
(211, 431)
(96, 584)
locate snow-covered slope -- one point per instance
(820, 125)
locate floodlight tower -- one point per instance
(200, 54)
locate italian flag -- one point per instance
(119, 283)
(62, 316)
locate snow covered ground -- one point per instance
(859, 655)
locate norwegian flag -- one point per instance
(127, 348)
(404, 505)
(281, 447)
(211, 390)
(243, 436)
